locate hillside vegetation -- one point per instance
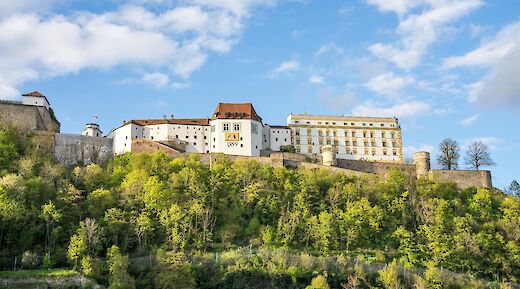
(149, 221)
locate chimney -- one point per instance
(164, 116)
(172, 116)
(124, 121)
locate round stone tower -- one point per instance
(329, 155)
(92, 129)
(422, 163)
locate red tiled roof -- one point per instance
(34, 93)
(236, 111)
(184, 121)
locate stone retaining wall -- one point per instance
(463, 179)
(71, 149)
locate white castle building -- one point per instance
(234, 128)
(355, 138)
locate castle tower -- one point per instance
(35, 98)
(329, 155)
(422, 163)
(92, 129)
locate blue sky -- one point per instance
(446, 68)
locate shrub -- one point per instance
(318, 282)
(173, 271)
(389, 276)
(30, 260)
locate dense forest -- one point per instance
(149, 221)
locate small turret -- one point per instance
(422, 163)
(329, 155)
(92, 129)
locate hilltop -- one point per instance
(143, 220)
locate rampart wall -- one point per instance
(71, 149)
(378, 168)
(28, 117)
(148, 146)
(463, 179)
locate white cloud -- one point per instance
(491, 51)
(389, 83)
(491, 141)
(345, 10)
(403, 110)
(470, 120)
(501, 54)
(397, 6)
(326, 48)
(180, 85)
(337, 100)
(408, 151)
(285, 68)
(418, 31)
(8, 92)
(316, 79)
(35, 46)
(156, 79)
(24, 6)
(238, 7)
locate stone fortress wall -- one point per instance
(71, 149)
(27, 117)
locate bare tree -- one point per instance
(448, 154)
(92, 233)
(478, 155)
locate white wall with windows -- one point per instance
(359, 138)
(279, 137)
(236, 137)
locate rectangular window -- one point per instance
(254, 128)
(236, 127)
(212, 128)
(226, 127)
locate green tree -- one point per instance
(77, 249)
(514, 189)
(173, 271)
(118, 270)
(321, 231)
(10, 149)
(50, 215)
(117, 225)
(389, 276)
(318, 282)
(175, 221)
(100, 201)
(143, 226)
